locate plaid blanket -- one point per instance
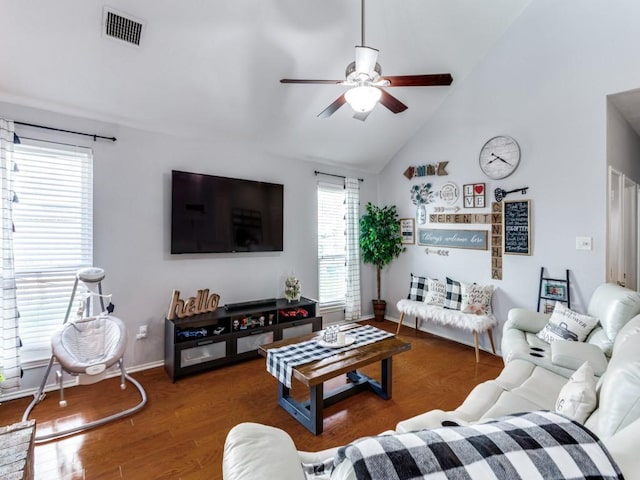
(534, 445)
(280, 361)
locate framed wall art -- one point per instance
(407, 231)
(517, 227)
(449, 193)
(474, 195)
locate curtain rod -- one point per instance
(334, 175)
(45, 141)
(95, 136)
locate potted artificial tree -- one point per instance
(380, 242)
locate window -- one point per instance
(53, 237)
(331, 245)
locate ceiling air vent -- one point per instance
(122, 27)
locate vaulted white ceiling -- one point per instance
(208, 69)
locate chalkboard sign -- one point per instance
(517, 227)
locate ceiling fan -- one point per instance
(364, 76)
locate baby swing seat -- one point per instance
(90, 345)
(86, 348)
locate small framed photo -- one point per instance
(408, 231)
(549, 306)
(555, 291)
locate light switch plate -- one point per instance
(583, 243)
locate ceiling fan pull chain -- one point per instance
(362, 23)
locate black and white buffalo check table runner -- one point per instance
(281, 361)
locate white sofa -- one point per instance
(611, 304)
(258, 451)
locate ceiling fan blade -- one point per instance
(391, 102)
(431, 80)
(331, 109)
(325, 82)
(366, 58)
(362, 116)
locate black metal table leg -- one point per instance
(385, 378)
(311, 413)
(316, 404)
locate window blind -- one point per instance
(53, 221)
(331, 245)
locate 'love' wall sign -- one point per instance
(517, 227)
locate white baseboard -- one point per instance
(73, 381)
(140, 368)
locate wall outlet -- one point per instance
(583, 243)
(142, 332)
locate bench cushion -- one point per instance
(442, 316)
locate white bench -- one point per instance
(454, 318)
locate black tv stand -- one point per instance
(233, 333)
(254, 303)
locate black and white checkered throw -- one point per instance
(280, 361)
(533, 445)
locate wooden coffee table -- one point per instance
(315, 373)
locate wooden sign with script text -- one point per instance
(201, 303)
(471, 239)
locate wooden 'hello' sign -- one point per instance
(201, 303)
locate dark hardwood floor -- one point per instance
(180, 433)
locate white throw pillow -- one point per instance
(577, 399)
(476, 298)
(436, 292)
(566, 324)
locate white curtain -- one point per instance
(352, 295)
(9, 342)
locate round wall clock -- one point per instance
(499, 157)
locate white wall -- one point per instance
(132, 215)
(545, 83)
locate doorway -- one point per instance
(622, 230)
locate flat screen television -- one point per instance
(211, 214)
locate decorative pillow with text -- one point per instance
(418, 288)
(565, 324)
(476, 298)
(436, 292)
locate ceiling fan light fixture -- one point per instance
(363, 98)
